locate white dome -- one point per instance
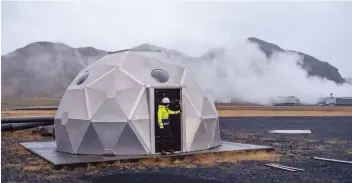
(106, 109)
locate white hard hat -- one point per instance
(165, 100)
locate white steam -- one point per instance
(243, 73)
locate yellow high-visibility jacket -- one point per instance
(163, 113)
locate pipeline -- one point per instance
(22, 126)
(41, 119)
(16, 108)
(22, 123)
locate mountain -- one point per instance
(45, 69)
(312, 65)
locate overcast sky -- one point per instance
(321, 29)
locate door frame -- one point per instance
(151, 98)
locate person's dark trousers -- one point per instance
(166, 137)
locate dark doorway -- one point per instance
(175, 120)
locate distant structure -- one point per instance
(110, 107)
(285, 101)
(335, 101)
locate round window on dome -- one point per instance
(82, 78)
(160, 75)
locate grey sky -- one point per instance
(321, 29)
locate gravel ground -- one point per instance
(331, 138)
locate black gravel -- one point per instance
(331, 138)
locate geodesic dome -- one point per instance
(107, 109)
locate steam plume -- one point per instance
(243, 73)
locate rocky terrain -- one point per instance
(45, 69)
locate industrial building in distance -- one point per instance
(335, 101)
(285, 101)
(324, 101)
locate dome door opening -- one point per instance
(174, 96)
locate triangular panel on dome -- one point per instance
(89, 75)
(91, 143)
(109, 111)
(76, 130)
(208, 109)
(142, 109)
(211, 98)
(217, 137)
(93, 65)
(192, 120)
(127, 98)
(122, 81)
(76, 104)
(133, 61)
(208, 95)
(175, 72)
(111, 94)
(128, 143)
(64, 118)
(210, 125)
(163, 57)
(109, 132)
(62, 107)
(136, 60)
(63, 142)
(113, 59)
(104, 82)
(191, 110)
(142, 128)
(201, 139)
(95, 98)
(194, 91)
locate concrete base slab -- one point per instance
(47, 150)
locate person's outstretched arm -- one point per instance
(173, 112)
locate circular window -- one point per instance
(160, 75)
(82, 78)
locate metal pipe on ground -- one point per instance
(30, 108)
(281, 167)
(293, 168)
(22, 126)
(45, 130)
(6, 127)
(40, 119)
(332, 160)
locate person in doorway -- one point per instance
(164, 125)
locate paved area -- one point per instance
(331, 138)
